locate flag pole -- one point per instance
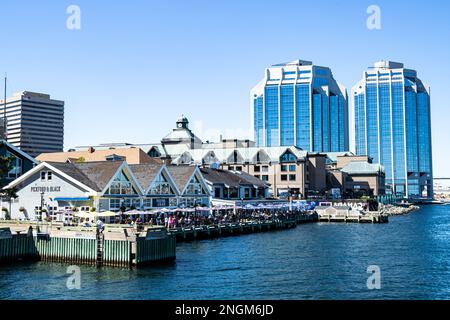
(4, 110)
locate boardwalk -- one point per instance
(239, 228)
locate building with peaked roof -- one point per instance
(21, 162)
(158, 186)
(52, 187)
(234, 185)
(130, 155)
(355, 176)
(285, 169)
(191, 184)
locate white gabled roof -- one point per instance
(247, 154)
(42, 165)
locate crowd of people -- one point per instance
(188, 219)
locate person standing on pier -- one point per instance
(100, 225)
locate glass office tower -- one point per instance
(299, 104)
(393, 127)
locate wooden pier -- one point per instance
(116, 247)
(369, 218)
(125, 246)
(238, 228)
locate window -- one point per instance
(288, 157)
(147, 203)
(173, 202)
(238, 168)
(265, 169)
(43, 174)
(292, 177)
(121, 185)
(160, 186)
(284, 177)
(114, 157)
(292, 168)
(217, 192)
(230, 168)
(258, 176)
(16, 165)
(265, 178)
(49, 175)
(257, 169)
(287, 113)
(126, 203)
(271, 110)
(154, 153)
(136, 203)
(158, 203)
(194, 187)
(234, 193)
(114, 204)
(283, 168)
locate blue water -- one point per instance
(312, 261)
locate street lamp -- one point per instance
(42, 205)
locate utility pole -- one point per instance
(4, 113)
(5, 126)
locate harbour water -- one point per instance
(312, 261)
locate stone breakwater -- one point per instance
(392, 210)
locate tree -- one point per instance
(6, 165)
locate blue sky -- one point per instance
(135, 66)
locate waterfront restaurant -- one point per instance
(192, 187)
(235, 185)
(51, 188)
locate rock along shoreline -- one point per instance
(392, 210)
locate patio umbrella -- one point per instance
(84, 215)
(106, 214)
(133, 212)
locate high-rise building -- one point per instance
(298, 103)
(393, 127)
(34, 122)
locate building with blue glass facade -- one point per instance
(300, 104)
(391, 108)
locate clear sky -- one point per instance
(135, 66)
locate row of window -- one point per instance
(116, 204)
(284, 177)
(265, 169)
(286, 168)
(288, 177)
(263, 177)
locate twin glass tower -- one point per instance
(301, 104)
